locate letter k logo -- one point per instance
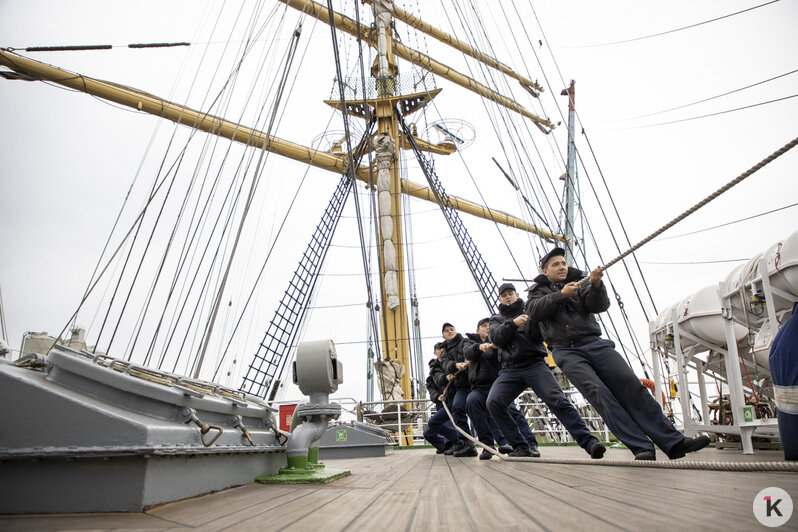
(773, 506)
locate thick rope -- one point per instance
(772, 157)
(650, 464)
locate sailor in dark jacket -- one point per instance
(521, 354)
(454, 364)
(483, 369)
(565, 312)
(440, 432)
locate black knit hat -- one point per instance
(447, 324)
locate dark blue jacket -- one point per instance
(567, 322)
(484, 367)
(784, 353)
(436, 382)
(519, 347)
(453, 354)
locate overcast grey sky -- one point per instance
(68, 159)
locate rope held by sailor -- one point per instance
(761, 164)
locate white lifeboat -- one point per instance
(700, 315)
(782, 269)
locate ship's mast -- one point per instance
(395, 330)
(387, 143)
(570, 176)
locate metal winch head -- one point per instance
(316, 368)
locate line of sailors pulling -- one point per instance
(486, 371)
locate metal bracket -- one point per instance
(190, 415)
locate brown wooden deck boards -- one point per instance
(419, 490)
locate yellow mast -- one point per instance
(387, 142)
(401, 14)
(398, 49)
(180, 114)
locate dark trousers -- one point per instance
(459, 411)
(538, 376)
(440, 432)
(625, 405)
(788, 430)
(486, 427)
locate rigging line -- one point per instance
(119, 215)
(350, 159)
(374, 317)
(167, 194)
(523, 197)
(247, 48)
(139, 225)
(677, 29)
(495, 224)
(612, 234)
(719, 261)
(727, 223)
(491, 74)
(552, 184)
(477, 186)
(198, 228)
(704, 116)
(3, 330)
(183, 253)
(248, 201)
(188, 244)
(142, 315)
(625, 317)
(618, 215)
(504, 115)
(705, 99)
(204, 289)
(769, 159)
(134, 225)
(617, 299)
(602, 177)
(551, 139)
(269, 253)
(265, 262)
(595, 159)
(140, 218)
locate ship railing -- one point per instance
(406, 419)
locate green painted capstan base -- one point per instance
(315, 476)
(304, 470)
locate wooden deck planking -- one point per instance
(82, 522)
(348, 508)
(488, 506)
(391, 512)
(555, 505)
(371, 472)
(277, 517)
(412, 490)
(438, 501)
(671, 497)
(235, 500)
(639, 505)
